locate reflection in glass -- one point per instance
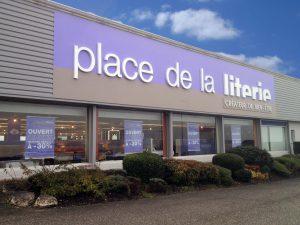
(238, 132)
(122, 132)
(70, 135)
(193, 135)
(274, 138)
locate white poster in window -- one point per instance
(236, 135)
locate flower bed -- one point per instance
(70, 185)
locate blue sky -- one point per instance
(265, 33)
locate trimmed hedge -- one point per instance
(225, 176)
(157, 185)
(69, 183)
(253, 155)
(230, 161)
(190, 172)
(115, 172)
(280, 169)
(290, 162)
(115, 186)
(144, 165)
(242, 175)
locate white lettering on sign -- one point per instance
(40, 131)
(233, 87)
(77, 65)
(207, 83)
(247, 106)
(112, 65)
(180, 78)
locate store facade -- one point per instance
(79, 88)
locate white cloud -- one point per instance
(203, 24)
(273, 63)
(140, 15)
(161, 19)
(240, 57)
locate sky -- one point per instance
(264, 33)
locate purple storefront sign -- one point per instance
(133, 136)
(40, 137)
(193, 136)
(73, 31)
(236, 135)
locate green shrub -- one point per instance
(69, 183)
(144, 165)
(14, 185)
(157, 185)
(115, 172)
(134, 185)
(291, 163)
(295, 157)
(280, 169)
(115, 186)
(242, 175)
(190, 172)
(253, 155)
(265, 169)
(225, 176)
(229, 160)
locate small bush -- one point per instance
(291, 163)
(190, 172)
(253, 155)
(229, 160)
(115, 186)
(225, 176)
(242, 175)
(68, 184)
(280, 169)
(14, 185)
(144, 165)
(115, 172)
(157, 185)
(134, 185)
(265, 169)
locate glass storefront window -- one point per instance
(193, 135)
(274, 137)
(238, 132)
(69, 131)
(123, 132)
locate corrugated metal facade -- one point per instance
(26, 49)
(26, 57)
(287, 91)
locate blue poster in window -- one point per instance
(193, 136)
(40, 137)
(236, 135)
(133, 136)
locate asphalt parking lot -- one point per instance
(262, 204)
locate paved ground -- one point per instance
(264, 204)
